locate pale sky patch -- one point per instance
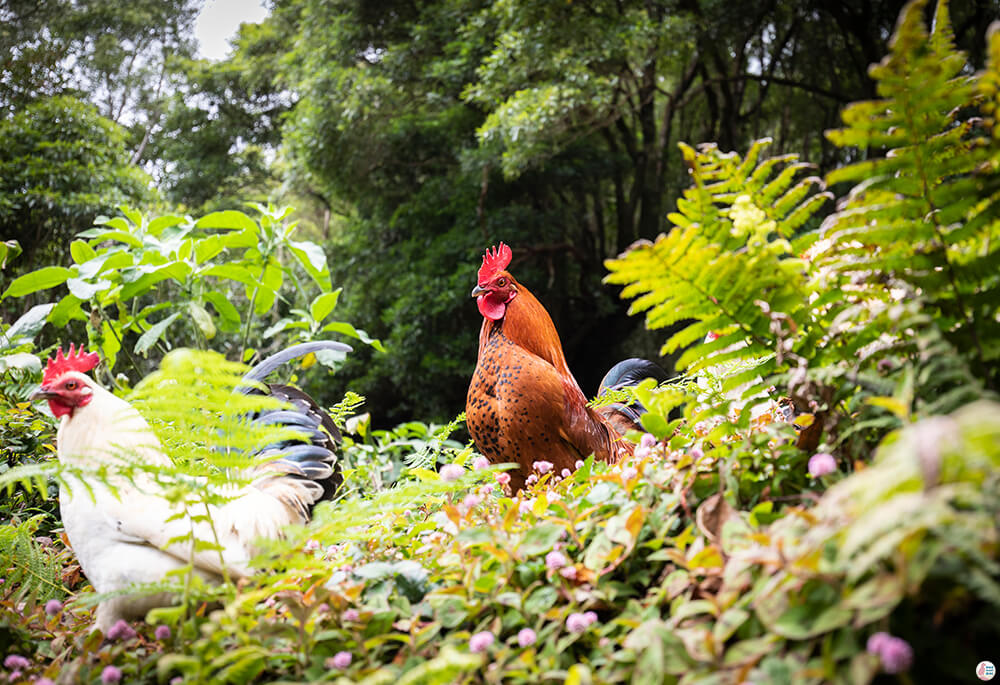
(217, 23)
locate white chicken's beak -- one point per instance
(43, 393)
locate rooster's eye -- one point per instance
(502, 282)
(71, 385)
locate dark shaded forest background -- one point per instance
(410, 136)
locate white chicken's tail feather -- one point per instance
(299, 474)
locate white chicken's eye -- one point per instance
(71, 385)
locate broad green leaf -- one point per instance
(270, 284)
(86, 290)
(81, 251)
(244, 238)
(157, 225)
(348, 329)
(133, 215)
(655, 424)
(206, 248)
(230, 219)
(223, 306)
(28, 324)
(110, 343)
(155, 332)
(323, 305)
(67, 308)
(233, 273)
(202, 319)
(46, 277)
(117, 223)
(99, 236)
(313, 260)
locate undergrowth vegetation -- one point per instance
(816, 500)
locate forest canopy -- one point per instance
(411, 136)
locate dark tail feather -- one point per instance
(631, 372)
(271, 364)
(627, 373)
(315, 460)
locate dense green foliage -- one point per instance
(826, 469)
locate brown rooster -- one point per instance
(524, 405)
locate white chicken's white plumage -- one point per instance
(121, 532)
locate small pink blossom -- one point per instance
(565, 473)
(876, 641)
(480, 463)
(696, 453)
(351, 615)
(569, 572)
(472, 501)
(14, 676)
(525, 506)
(111, 674)
(44, 681)
(120, 631)
(53, 607)
(555, 560)
(341, 660)
(15, 662)
(648, 440)
(503, 478)
(451, 472)
(526, 637)
(543, 467)
(591, 617)
(480, 642)
(162, 633)
(531, 480)
(487, 489)
(821, 464)
(578, 464)
(629, 472)
(312, 545)
(576, 623)
(894, 652)
(642, 452)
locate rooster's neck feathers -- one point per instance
(527, 324)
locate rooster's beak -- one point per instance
(43, 393)
(477, 291)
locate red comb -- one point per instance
(74, 361)
(495, 260)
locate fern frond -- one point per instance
(927, 212)
(726, 266)
(31, 574)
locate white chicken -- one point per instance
(126, 532)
